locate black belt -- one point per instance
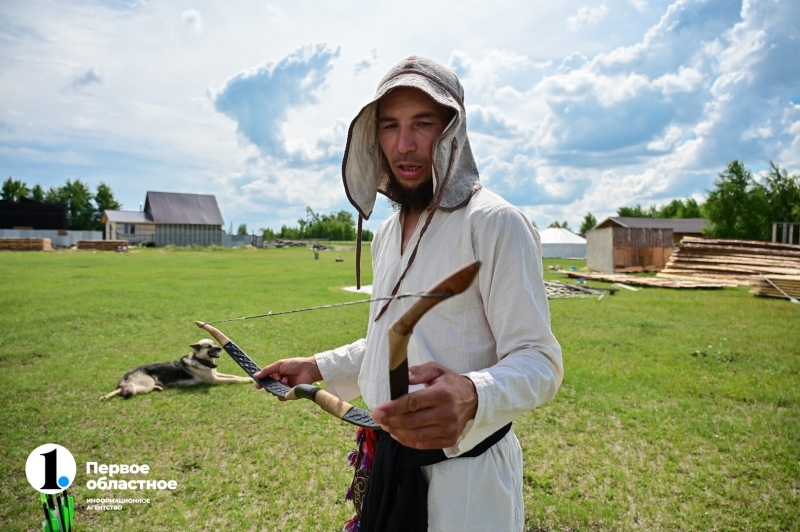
(397, 493)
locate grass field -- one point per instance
(680, 410)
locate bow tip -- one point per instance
(200, 324)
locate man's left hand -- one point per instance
(434, 417)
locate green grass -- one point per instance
(680, 410)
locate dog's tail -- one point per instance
(112, 394)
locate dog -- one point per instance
(194, 368)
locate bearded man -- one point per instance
(477, 361)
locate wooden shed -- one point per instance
(620, 244)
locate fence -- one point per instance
(63, 238)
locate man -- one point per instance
(477, 360)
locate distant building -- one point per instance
(622, 243)
(30, 214)
(558, 242)
(681, 227)
(168, 219)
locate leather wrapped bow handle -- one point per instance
(399, 334)
(400, 331)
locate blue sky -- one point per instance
(573, 106)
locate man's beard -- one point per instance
(405, 199)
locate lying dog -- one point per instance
(195, 368)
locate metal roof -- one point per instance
(127, 217)
(178, 208)
(678, 225)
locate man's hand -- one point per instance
(434, 417)
(292, 371)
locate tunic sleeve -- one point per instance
(340, 368)
(529, 367)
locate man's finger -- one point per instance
(425, 373)
(269, 370)
(408, 404)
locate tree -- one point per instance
(334, 226)
(782, 193)
(589, 223)
(14, 190)
(242, 230)
(738, 206)
(105, 201)
(37, 193)
(267, 233)
(78, 199)
(632, 212)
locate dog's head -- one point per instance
(206, 349)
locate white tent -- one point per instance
(562, 243)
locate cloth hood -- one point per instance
(455, 174)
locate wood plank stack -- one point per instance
(26, 244)
(101, 245)
(651, 281)
(790, 284)
(558, 290)
(738, 261)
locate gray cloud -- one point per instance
(367, 63)
(489, 122)
(90, 77)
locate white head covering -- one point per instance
(455, 174)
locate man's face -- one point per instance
(409, 122)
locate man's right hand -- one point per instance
(292, 371)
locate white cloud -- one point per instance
(588, 16)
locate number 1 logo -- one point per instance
(50, 468)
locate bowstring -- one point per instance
(345, 304)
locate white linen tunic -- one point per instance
(497, 333)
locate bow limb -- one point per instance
(400, 331)
(324, 399)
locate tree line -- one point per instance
(335, 226)
(84, 207)
(739, 206)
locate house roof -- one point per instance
(678, 225)
(127, 217)
(178, 208)
(559, 235)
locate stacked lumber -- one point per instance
(738, 261)
(650, 281)
(102, 245)
(776, 286)
(558, 290)
(26, 244)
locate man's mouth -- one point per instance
(409, 168)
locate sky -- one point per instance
(572, 106)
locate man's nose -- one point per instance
(406, 141)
